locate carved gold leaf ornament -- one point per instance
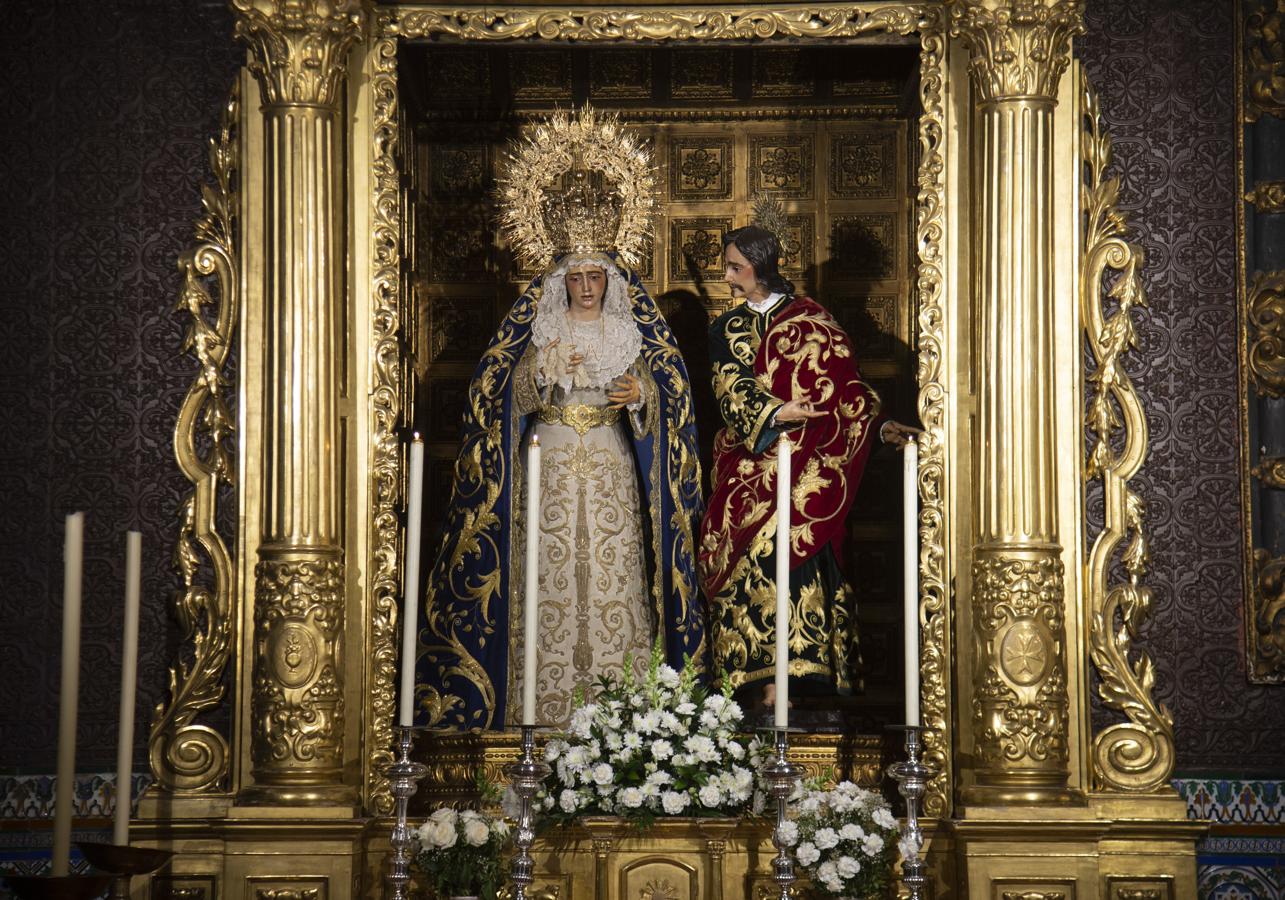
(1267, 636)
(1137, 755)
(1266, 311)
(1265, 55)
(300, 47)
(186, 757)
(1020, 47)
(1267, 197)
(387, 406)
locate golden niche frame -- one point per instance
(994, 75)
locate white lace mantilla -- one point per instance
(609, 344)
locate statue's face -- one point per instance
(738, 273)
(585, 288)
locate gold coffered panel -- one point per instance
(696, 247)
(864, 163)
(541, 75)
(781, 164)
(704, 74)
(620, 75)
(700, 168)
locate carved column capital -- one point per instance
(1020, 48)
(300, 47)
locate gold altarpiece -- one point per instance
(1025, 290)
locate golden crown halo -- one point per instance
(577, 183)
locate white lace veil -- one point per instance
(621, 342)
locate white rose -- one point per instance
(848, 867)
(603, 774)
(445, 814)
(632, 797)
(568, 801)
(826, 838)
(807, 853)
(476, 833)
(711, 796)
(442, 834)
(673, 802)
(872, 844)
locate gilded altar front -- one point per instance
(957, 203)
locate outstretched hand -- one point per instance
(798, 411)
(897, 434)
(624, 390)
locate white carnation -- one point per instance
(582, 721)
(872, 844)
(848, 867)
(883, 818)
(807, 853)
(709, 719)
(735, 750)
(662, 749)
(711, 796)
(826, 838)
(632, 797)
(603, 774)
(568, 801)
(852, 832)
(673, 802)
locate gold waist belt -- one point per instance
(579, 416)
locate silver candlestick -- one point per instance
(781, 776)
(912, 781)
(526, 775)
(403, 778)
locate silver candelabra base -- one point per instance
(403, 778)
(781, 776)
(526, 774)
(912, 778)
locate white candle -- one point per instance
(128, 688)
(782, 707)
(530, 596)
(410, 582)
(910, 577)
(73, 550)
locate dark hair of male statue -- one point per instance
(762, 249)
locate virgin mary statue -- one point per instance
(585, 361)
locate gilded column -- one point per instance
(299, 50)
(1019, 51)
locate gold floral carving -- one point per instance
(934, 598)
(1265, 62)
(300, 47)
(1268, 197)
(1020, 701)
(1034, 895)
(826, 20)
(1137, 755)
(298, 706)
(1266, 308)
(1271, 472)
(1020, 48)
(1267, 619)
(387, 405)
(184, 756)
(287, 894)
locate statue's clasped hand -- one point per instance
(624, 390)
(897, 434)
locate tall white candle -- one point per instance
(782, 708)
(910, 577)
(530, 596)
(69, 692)
(128, 688)
(410, 582)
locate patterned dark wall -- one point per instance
(104, 115)
(1164, 74)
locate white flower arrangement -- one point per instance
(663, 747)
(460, 851)
(845, 839)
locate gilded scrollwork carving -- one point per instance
(297, 704)
(828, 20)
(185, 756)
(1271, 472)
(1020, 48)
(1020, 700)
(387, 405)
(1137, 755)
(1266, 311)
(1267, 197)
(934, 597)
(300, 46)
(1267, 618)
(1265, 62)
